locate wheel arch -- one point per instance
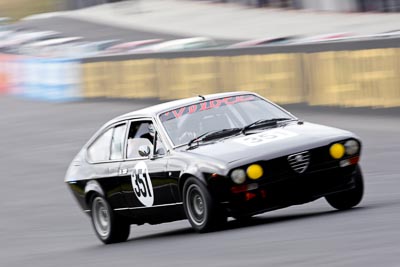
(92, 188)
(185, 176)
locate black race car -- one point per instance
(208, 158)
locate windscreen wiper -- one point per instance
(264, 123)
(214, 135)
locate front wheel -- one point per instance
(350, 198)
(108, 226)
(201, 210)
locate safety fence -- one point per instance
(358, 78)
(276, 76)
(354, 78)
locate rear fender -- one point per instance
(93, 187)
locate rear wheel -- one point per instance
(350, 198)
(109, 227)
(201, 210)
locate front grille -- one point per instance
(299, 161)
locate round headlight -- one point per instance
(238, 176)
(254, 171)
(352, 147)
(337, 151)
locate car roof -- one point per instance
(167, 106)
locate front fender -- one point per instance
(191, 172)
(204, 173)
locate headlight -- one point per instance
(337, 151)
(352, 147)
(255, 171)
(238, 176)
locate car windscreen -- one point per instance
(188, 122)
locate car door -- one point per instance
(144, 179)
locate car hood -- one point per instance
(270, 143)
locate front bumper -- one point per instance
(264, 196)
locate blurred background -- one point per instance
(68, 66)
(20, 8)
(328, 52)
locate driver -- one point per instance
(150, 133)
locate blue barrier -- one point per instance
(51, 79)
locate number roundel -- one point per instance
(141, 184)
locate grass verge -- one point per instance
(17, 9)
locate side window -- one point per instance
(117, 142)
(100, 149)
(141, 133)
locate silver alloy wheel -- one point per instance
(195, 205)
(101, 217)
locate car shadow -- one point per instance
(262, 220)
(252, 222)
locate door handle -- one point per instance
(123, 171)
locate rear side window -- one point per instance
(109, 146)
(117, 142)
(100, 149)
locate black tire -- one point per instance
(108, 226)
(350, 198)
(202, 211)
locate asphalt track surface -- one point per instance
(41, 225)
(91, 31)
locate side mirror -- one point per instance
(144, 151)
